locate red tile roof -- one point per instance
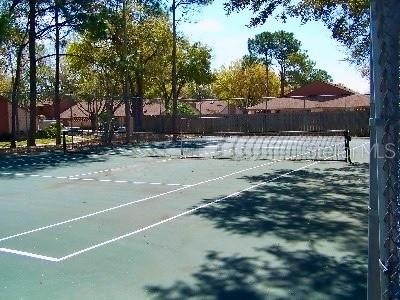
(214, 107)
(321, 88)
(287, 103)
(81, 110)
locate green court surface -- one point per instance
(113, 225)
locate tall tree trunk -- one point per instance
(174, 79)
(57, 97)
(15, 98)
(32, 73)
(282, 79)
(128, 116)
(126, 95)
(93, 121)
(267, 85)
(139, 103)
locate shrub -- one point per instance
(49, 132)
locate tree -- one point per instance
(194, 67)
(244, 83)
(13, 41)
(32, 72)
(282, 50)
(33, 17)
(347, 20)
(67, 14)
(302, 71)
(118, 25)
(198, 91)
(261, 47)
(96, 65)
(275, 47)
(175, 5)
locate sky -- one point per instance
(227, 37)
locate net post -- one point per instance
(64, 137)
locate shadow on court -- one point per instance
(45, 160)
(322, 208)
(39, 161)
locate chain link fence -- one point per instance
(384, 209)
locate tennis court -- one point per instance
(208, 218)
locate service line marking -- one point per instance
(132, 202)
(28, 254)
(78, 178)
(120, 168)
(143, 199)
(152, 225)
(187, 212)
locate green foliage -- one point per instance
(302, 71)
(49, 132)
(282, 50)
(193, 64)
(106, 117)
(198, 91)
(284, 44)
(245, 83)
(184, 109)
(4, 27)
(261, 46)
(347, 20)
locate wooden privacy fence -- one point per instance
(355, 121)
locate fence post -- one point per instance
(385, 139)
(64, 142)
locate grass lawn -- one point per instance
(39, 142)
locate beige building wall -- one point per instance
(23, 119)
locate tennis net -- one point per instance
(289, 145)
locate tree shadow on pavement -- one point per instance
(303, 274)
(36, 162)
(323, 208)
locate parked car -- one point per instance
(72, 130)
(121, 129)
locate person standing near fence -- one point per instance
(347, 139)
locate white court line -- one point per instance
(187, 212)
(141, 200)
(132, 202)
(28, 254)
(78, 178)
(120, 168)
(163, 194)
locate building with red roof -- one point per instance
(5, 118)
(316, 96)
(82, 113)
